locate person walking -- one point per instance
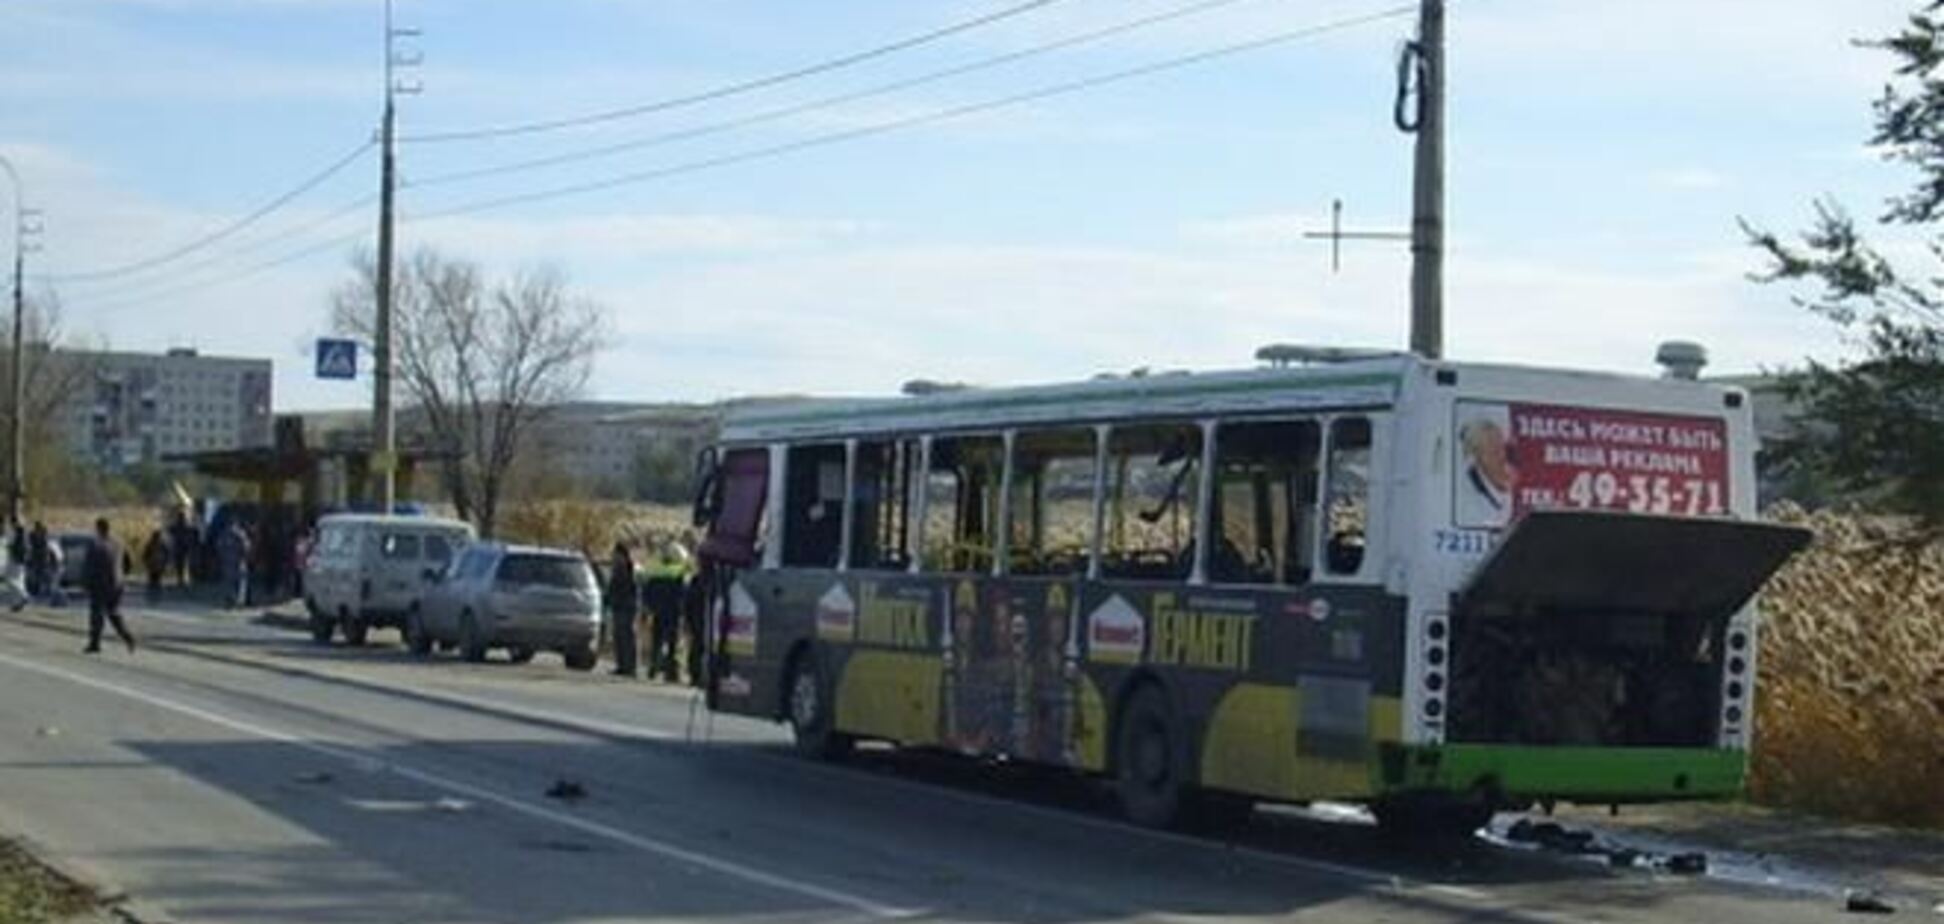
(39, 559)
(155, 561)
(233, 560)
(624, 610)
(662, 594)
(13, 586)
(101, 573)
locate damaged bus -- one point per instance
(1439, 589)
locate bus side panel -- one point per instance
(770, 613)
(1285, 694)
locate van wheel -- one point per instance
(578, 659)
(811, 723)
(519, 654)
(355, 629)
(1149, 765)
(472, 643)
(417, 640)
(321, 626)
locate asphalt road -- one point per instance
(234, 772)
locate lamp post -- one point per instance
(15, 387)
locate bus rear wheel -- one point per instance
(1149, 766)
(811, 723)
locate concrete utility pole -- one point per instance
(16, 421)
(1427, 55)
(384, 428)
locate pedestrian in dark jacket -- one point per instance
(102, 574)
(40, 559)
(155, 560)
(624, 609)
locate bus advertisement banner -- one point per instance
(1513, 458)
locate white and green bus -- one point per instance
(1438, 588)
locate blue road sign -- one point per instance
(337, 359)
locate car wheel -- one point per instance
(416, 638)
(579, 659)
(811, 724)
(1149, 765)
(321, 626)
(519, 654)
(472, 642)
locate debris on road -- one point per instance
(48, 731)
(566, 790)
(1688, 864)
(1860, 902)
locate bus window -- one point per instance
(1152, 486)
(1347, 512)
(1052, 502)
(1265, 502)
(813, 496)
(962, 503)
(881, 491)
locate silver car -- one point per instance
(521, 598)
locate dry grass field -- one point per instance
(1850, 707)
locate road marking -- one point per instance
(1355, 873)
(646, 844)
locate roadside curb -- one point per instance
(116, 903)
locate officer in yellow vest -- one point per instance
(667, 582)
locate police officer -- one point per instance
(667, 580)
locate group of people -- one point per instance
(663, 588)
(34, 562)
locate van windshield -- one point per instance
(546, 571)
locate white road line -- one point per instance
(626, 730)
(531, 810)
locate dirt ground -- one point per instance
(32, 893)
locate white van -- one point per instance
(369, 570)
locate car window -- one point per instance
(438, 549)
(400, 546)
(546, 570)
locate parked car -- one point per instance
(521, 598)
(74, 557)
(367, 570)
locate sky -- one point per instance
(1600, 153)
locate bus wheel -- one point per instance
(1148, 765)
(1426, 819)
(809, 712)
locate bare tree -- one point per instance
(480, 364)
(55, 375)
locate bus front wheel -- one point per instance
(809, 712)
(1149, 766)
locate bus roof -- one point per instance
(1363, 383)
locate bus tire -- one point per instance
(1150, 763)
(809, 713)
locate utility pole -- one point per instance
(16, 421)
(1422, 67)
(383, 422)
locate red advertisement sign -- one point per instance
(1518, 457)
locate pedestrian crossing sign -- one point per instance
(337, 359)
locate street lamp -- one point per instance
(14, 417)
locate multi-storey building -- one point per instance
(125, 409)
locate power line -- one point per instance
(827, 102)
(734, 89)
(223, 232)
(116, 291)
(133, 299)
(941, 115)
